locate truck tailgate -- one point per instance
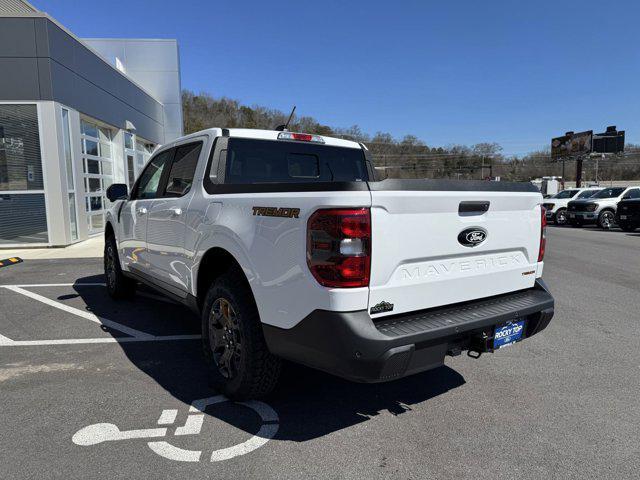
(419, 260)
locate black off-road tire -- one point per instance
(560, 218)
(118, 286)
(257, 370)
(606, 219)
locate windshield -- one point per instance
(268, 161)
(609, 192)
(565, 194)
(588, 193)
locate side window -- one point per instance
(152, 175)
(183, 169)
(634, 193)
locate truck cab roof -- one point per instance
(262, 135)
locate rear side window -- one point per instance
(277, 161)
(183, 169)
(609, 192)
(635, 193)
(588, 193)
(566, 194)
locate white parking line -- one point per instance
(80, 341)
(80, 313)
(136, 335)
(36, 285)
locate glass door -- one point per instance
(97, 170)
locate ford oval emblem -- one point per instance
(472, 237)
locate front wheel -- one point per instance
(118, 285)
(561, 217)
(234, 347)
(606, 219)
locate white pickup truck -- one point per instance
(289, 248)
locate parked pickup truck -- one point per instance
(556, 205)
(628, 211)
(288, 247)
(599, 208)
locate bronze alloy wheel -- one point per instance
(225, 338)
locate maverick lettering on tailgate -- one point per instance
(285, 212)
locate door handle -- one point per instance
(142, 211)
(176, 211)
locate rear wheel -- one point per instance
(118, 285)
(561, 217)
(606, 219)
(234, 347)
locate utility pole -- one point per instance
(578, 171)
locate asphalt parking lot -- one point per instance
(90, 388)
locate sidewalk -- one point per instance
(90, 248)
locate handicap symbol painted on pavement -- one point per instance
(108, 432)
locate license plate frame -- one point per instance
(506, 334)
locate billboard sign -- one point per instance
(572, 144)
(611, 141)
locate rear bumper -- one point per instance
(353, 346)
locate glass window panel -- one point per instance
(92, 167)
(73, 220)
(131, 170)
(150, 177)
(93, 184)
(128, 140)
(20, 161)
(95, 203)
(88, 128)
(66, 143)
(183, 169)
(90, 147)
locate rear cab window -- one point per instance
(274, 161)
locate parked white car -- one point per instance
(556, 206)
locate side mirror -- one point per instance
(117, 191)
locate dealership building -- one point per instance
(76, 115)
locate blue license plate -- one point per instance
(505, 335)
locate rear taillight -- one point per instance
(543, 233)
(339, 247)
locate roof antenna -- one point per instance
(285, 127)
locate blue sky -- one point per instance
(512, 72)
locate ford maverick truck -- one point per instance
(289, 247)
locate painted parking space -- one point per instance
(85, 312)
(539, 409)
